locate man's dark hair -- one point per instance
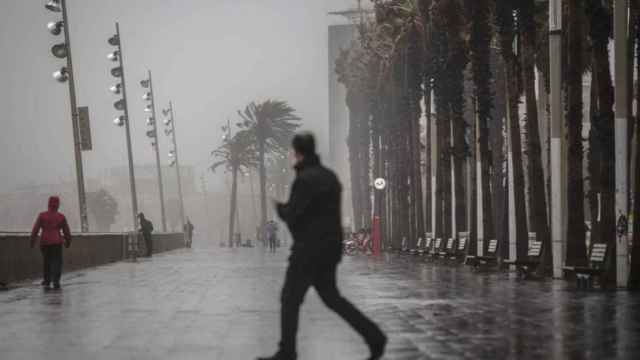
(304, 144)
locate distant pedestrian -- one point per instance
(188, 232)
(272, 235)
(146, 228)
(52, 228)
(313, 217)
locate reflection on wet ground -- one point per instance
(223, 304)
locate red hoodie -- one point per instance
(51, 223)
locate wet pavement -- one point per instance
(223, 304)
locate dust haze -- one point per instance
(210, 58)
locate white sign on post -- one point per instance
(380, 184)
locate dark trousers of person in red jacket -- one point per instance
(51, 264)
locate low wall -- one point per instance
(18, 261)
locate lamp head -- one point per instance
(116, 89)
(116, 72)
(55, 28)
(119, 105)
(61, 75)
(119, 121)
(114, 40)
(59, 50)
(113, 56)
(53, 5)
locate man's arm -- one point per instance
(301, 194)
(34, 232)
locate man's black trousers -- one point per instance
(272, 243)
(148, 244)
(51, 263)
(300, 276)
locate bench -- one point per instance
(449, 249)
(427, 246)
(487, 260)
(528, 265)
(436, 248)
(585, 274)
(461, 249)
(415, 250)
(404, 246)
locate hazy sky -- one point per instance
(210, 57)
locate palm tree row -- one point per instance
(265, 130)
(461, 70)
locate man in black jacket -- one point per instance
(313, 217)
(146, 228)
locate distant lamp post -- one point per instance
(54, 5)
(65, 74)
(170, 131)
(123, 120)
(152, 133)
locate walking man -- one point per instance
(313, 217)
(272, 235)
(188, 231)
(146, 228)
(54, 231)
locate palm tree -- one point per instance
(507, 31)
(576, 245)
(236, 155)
(537, 199)
(602, 132)
(271, 124)
(481, 36)
(634, 276)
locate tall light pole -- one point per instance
(170, 131)
(123, 120)
(153, 134)
(66, 74)
(621, 35)
(555, 104)
(205, 194)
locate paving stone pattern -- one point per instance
(223, 304)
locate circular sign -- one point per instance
(380, 183)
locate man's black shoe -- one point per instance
(278, 356)
(56, 286)
(377, 348)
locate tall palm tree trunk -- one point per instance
(234, 203)
(593, 160)
(481, 35)
(263, 183)
(354, 161)
(444, 170)
(365, 156)
(601, 26)
(506, 28)
(427, 161)
(634, 275)
(540, 220)
(520, 210)
(576, 245)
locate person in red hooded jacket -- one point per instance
(54, 231)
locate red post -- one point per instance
(376, 238)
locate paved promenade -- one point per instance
(223, 304)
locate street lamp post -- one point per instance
(558, 234)
(153, 134)
(170, 122)
(62, 75)
(122, 105)
(621, 34)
